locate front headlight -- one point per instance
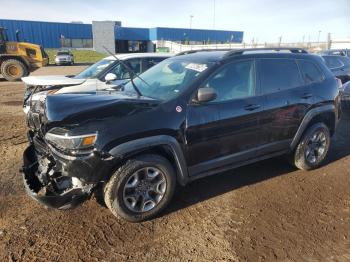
(64, 142)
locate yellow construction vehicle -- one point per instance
(18, 59)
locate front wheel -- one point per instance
(13, 70)
(313, 147)
(141, 188)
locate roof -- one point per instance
(138, 55)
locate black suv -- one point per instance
(188, 117)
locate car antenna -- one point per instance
(130, 71)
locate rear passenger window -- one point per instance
(310, 72)
(278, 75)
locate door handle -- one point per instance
(306, 96)
(252, 107)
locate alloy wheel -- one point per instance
(316, 147)
(144, 189)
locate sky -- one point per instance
(264, 20)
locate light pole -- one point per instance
(214, 15)
(191, 17)
(319, 34)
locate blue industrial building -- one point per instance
(76, 35)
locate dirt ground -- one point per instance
(268, 211)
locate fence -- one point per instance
(311, 46)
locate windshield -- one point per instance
(167, 79)
(93, 70)
(63, 53)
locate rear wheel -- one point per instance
(13, 69)
(313, 147)
(141, 188)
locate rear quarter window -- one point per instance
(278, 75)
(310, 72)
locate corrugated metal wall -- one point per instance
(181, 34)
(46, 34)
(131, 33)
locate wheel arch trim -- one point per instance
(134, 146)
(308, 118)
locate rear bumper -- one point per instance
(47, 194)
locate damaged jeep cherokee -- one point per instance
(193, 115)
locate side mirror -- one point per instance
(206, 94)
(110, 77)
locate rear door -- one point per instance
(286, 100)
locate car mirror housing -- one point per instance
(206, 94)
(110, 77)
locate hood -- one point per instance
(90, 86)
(52, 80)
(97, 105)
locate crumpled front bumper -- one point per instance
(41, 193)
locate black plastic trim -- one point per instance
(307, 119)
(147, 143)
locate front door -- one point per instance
(230, 132)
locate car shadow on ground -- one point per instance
(215, 185)
(212, 186)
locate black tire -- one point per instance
(115, 188)
(13, 70)
(304, 148)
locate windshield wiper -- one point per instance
(131, 72)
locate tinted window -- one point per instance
(235, 80)
(120, 71)
(279, 74)
(152, 61)
(309, 71)
(123, 73)
(332, 61)
(136, 65)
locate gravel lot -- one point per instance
(267, 211)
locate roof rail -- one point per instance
(231, 52)
(294, 50)
(202, 50)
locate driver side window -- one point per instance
(122, 72)
(233, 81)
